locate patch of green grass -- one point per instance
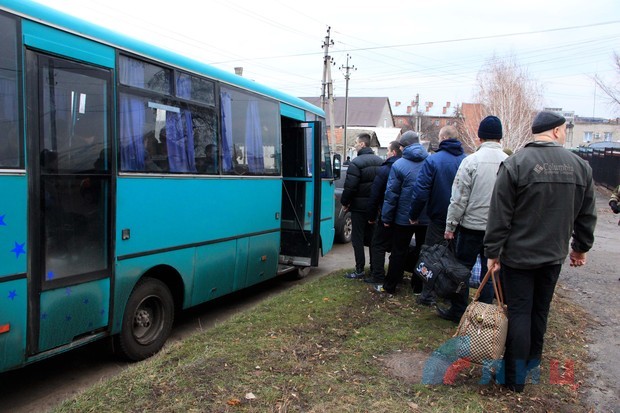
(323, 347)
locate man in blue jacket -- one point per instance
(395, 211)
(433, 188)
(382, 237)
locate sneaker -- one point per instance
(374, 280)
(446, 314)
(379, 288)
(355, 275)
(428, 302)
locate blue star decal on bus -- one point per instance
(12, 295)
(68, 291)
(19, 249)
(50, 275)
(2, 223)
(44, 316)
(85, 301)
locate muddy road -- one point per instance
(596, 287)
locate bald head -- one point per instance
(448, 132)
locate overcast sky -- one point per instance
(399, 48)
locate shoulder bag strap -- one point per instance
(496, 287)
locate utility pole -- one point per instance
(347, 76)
(417, 113)
(327, 96)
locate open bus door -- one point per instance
(301, 196)
(69, 172)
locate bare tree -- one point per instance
(611, 90)
(505, 90)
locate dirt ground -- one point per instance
(596, 287)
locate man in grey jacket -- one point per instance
(469, 208)
(543, 197)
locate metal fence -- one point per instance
(605, 163)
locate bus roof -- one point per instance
(51, 17)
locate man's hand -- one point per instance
(449, 235)
(345, 208)
(493, 264)
(413, 221)
(614, 207)
(577, 259)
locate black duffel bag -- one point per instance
(438, 267)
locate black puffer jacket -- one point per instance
(358, 183)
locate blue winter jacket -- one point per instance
(400, 184)
(378, 188)
(433, 186)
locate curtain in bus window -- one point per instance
(131, 72)
(8, 96)
(132, 144)
(254, 139)
(132, 118)
(9, 146)
(180, 133)
(226, 109)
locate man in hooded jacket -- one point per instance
(433, 188)
(395, 211)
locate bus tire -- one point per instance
(147, 320)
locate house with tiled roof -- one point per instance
(424, 117)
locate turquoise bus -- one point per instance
(137, 183)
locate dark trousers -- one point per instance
(470, 244)
(360, 230)
(401, 237)
(434, 235)
(380, 246)
(528, 294)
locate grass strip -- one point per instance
(333, 345)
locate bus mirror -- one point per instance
(337, 166)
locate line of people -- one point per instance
(521, 211)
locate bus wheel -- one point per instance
(147, 321)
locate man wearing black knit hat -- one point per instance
(543, 197)
(469, 208)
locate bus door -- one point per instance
(301, 198)
(69, 170)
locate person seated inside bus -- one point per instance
(9, 149)
(161, 159)
(150, 152)
(208, 164)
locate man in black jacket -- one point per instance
(382, 236)
(543, 197)
(357, 187)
